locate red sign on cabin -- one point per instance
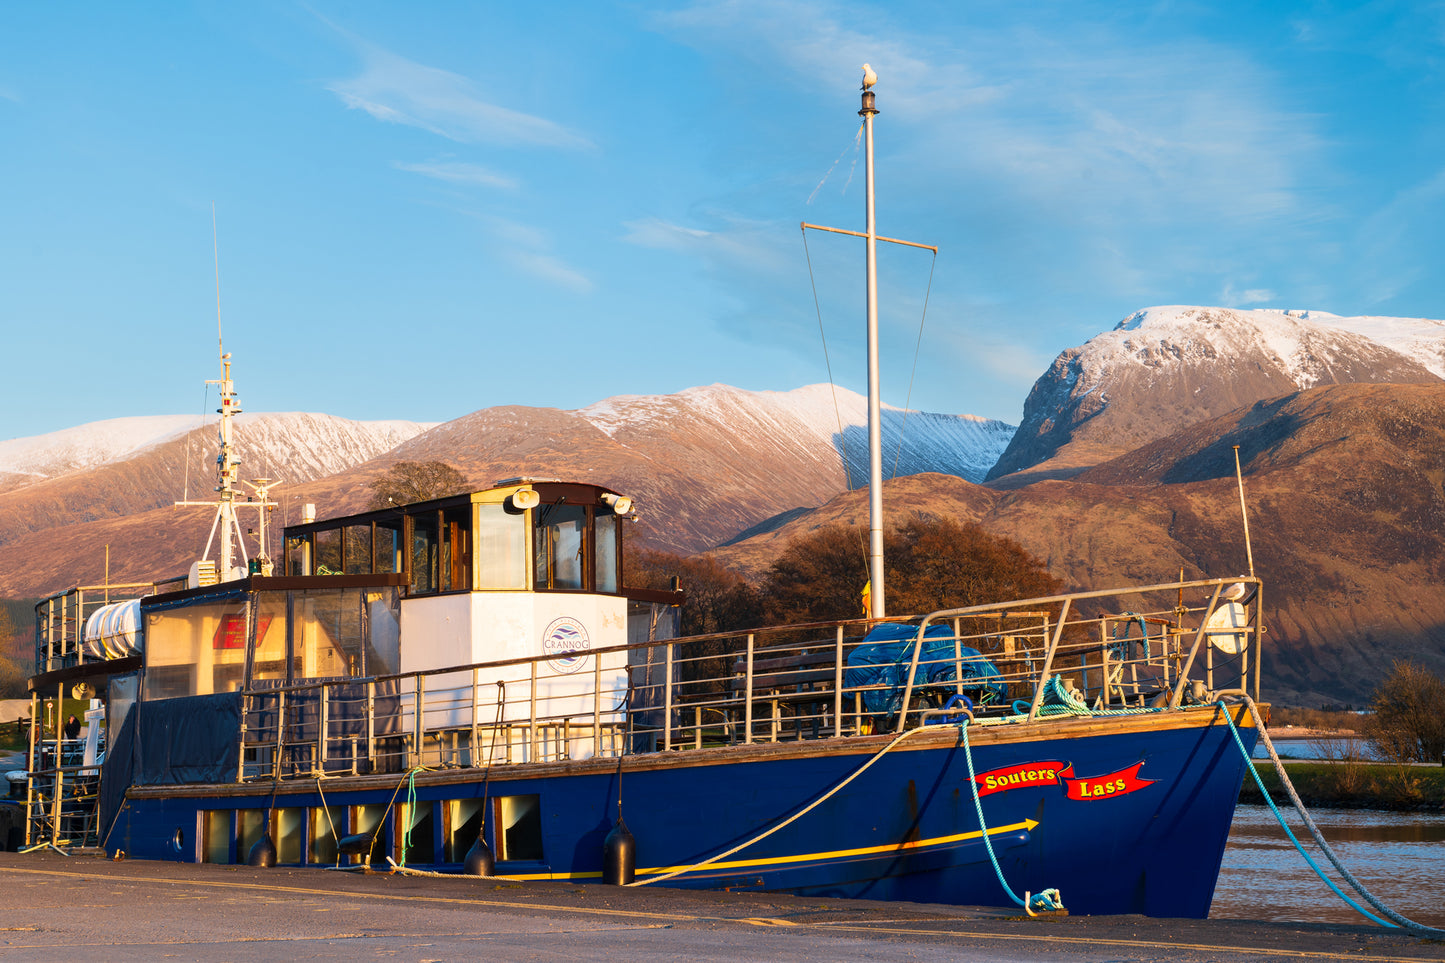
(231, 633)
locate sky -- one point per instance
(421, 210)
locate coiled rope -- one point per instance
(1396, 919)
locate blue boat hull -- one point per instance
(1130, 820)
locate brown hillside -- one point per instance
(1347, 517)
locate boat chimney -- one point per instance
(308, 513)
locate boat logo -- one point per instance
(1062, 774)
(565, 644)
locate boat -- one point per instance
(468, 684)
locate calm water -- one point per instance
(1400, 857)
(1294, 748)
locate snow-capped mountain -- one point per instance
(816, 418)
(293, 445)
(1165, 367)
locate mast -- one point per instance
(226, 525)
(876, 606)
(875, 404)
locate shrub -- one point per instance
(1409, 720)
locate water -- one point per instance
(1302, 748)
(1399, 857)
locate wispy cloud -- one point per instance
(460, 172)
(400, 91)
(528, 249)
(1079, 130)
(1232, 298)
(733, 243)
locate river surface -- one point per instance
(1293, 747)
(1399, 857)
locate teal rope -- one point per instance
(410, 815)
(1044, 901)
(1285, 826)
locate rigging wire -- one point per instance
(833, 387)
(186, 485)
(917, 348)
(854, 147)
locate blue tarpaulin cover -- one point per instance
(883, 657)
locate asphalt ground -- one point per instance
(59, 908)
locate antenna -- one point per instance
(1239, 477)
(226, 528)
(216, 253)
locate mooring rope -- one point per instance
(1396, 919)
(791, 819)
(1045, 901)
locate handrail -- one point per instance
(793, 682)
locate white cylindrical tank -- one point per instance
(113, 631)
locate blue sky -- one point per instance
(426, 209)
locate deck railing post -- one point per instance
(748, 694)
(1258, 633)
(246, 703)
(1178, 695)
(280, 733)
(532, 715)
(838, 685)
(322, 716)
(1053, 644)
(667, 701)
(418, 712)
(371, 725)
(472, 751)
(57, 790)
(597, 705)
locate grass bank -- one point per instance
(1353, 785)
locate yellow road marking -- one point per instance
(1213, 949)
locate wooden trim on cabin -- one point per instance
(281, 583)
(85, 670)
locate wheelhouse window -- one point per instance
(425, 554)
(501, 548)
(560, 534)
(608, 537)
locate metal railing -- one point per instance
(1163, 646)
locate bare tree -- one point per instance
(416, 481)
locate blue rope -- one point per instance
(1039, 902)
(1285, 826)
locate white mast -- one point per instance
(228, 472)
(226, 524)
(875, 404)
(876, 606)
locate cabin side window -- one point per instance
(387, 546)
(195, 649)
(608, 537)
(425, 554)
(456, 554)
(501, 548)
(561, 557)
(328, 551)
(298, 555)
(356, 549)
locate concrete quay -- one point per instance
(54, 907)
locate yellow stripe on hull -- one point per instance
(1024, 826)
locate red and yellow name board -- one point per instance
(1062, 774)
